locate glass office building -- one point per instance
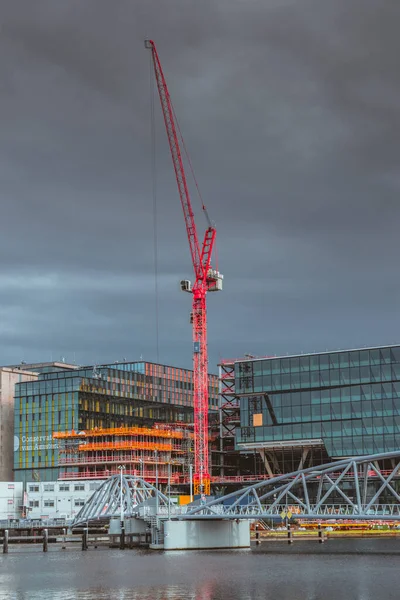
(298, 411)
(123, 394)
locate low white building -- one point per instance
(44, 500)
(58, 499)
(11, 499)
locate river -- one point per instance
(340, 569)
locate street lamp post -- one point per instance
(191, 481)
(272, 520)
(156, 459)
(286, 511)
(122, 539)
(169, 491)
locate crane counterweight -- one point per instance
(186, 286)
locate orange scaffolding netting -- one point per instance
(120, 431)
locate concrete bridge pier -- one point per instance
(205, 534)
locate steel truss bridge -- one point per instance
(137, 495)
(353, 488)
(366, 493)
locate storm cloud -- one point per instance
(290, 111)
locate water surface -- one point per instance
(353, 569)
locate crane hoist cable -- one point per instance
(203, 206)
(154, 196)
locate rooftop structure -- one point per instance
(43, 367)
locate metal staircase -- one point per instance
(157, 529)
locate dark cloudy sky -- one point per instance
(291, 113)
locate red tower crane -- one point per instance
(206, 279)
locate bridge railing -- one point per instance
(325, 512)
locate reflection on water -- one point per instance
(361, 569)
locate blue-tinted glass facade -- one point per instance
(105, 396)
(350, 400)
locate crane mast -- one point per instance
(206, 279)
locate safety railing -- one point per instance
(128, 445)
(331, 512)
(64, 460)
(105, 474)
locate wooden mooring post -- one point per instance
(45, 540)
(5, 542)
(289, 534)
(85, 539)
(320, 534)
(122, 536)
(258, 541)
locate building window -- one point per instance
(48, 487)
(49, 503)
(33, 488)
(79, 503)
(64, 487)
(79, 487)
(34, 503)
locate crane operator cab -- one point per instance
(214, 280)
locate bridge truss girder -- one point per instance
(268, 499)
(105, 502)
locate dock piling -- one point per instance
(85, 539)
(289, 534)
(320, 534)
(45, 540)
(258, 541)
(5, 542)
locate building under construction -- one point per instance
(103, 397)
(159, 454)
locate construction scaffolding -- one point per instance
(225, 459)
(161, 453)
(229, 465)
